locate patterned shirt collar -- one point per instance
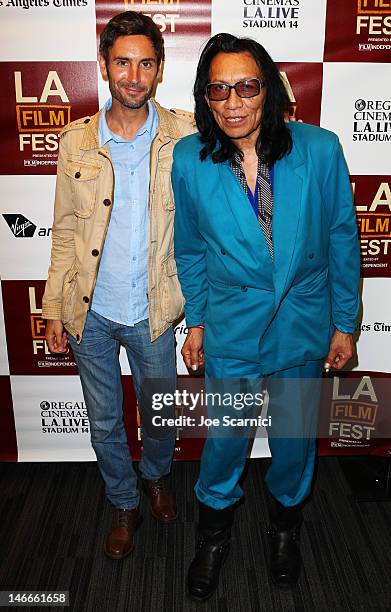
(265, 195)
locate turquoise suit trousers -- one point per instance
(293, 407)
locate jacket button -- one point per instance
(106, 202)
(311, 256)
(244, 288)
(77, 337)
(77, 175)
(87, 120)
(222, 252)
(86, 299)
(95, 252)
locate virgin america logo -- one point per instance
(20, 226)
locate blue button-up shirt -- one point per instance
(122, 283)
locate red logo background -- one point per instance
(342, 42)
(79, 80)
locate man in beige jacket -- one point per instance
(112, 278)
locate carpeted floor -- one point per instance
(53, 518)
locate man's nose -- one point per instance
(233, 100)
(133, 73)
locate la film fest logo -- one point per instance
(40, 116)
(38, 100)
(64, 417)
(358, 30)
(38, 325)
(185, 24)
(167, 21)
(174, 16)
(374, 224)
(279, 14)
(39, 344)
(353, 415)
(372, 121)
(374, 20)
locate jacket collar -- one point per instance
(168, 128)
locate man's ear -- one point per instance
(102, 66)
(159, 76)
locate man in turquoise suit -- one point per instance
(267, 255)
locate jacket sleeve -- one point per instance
(190, 247)
(344, 254)
(63, 241)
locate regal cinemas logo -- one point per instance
(374, 17)
(64, 417)
(276, 14)
(372, 121)
(41, 116)
(353, 414)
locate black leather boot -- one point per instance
(211, 552)
(284, 532)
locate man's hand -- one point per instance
(341, 350)
(289, 118)
(56, 337)
(192, 352)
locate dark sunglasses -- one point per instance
(244, 89)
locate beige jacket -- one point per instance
(82, 209)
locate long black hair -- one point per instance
(274, 140)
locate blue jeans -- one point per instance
(153, 366)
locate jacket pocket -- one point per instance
(164, 191)
(314, 283)
(84, 178)
(171, 298)
(69, 294)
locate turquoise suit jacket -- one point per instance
(222, 258)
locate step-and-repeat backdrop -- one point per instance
(335, 58)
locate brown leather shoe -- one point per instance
(163, 505)
(120, 541)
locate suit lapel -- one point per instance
(241, 208)
(287, 196)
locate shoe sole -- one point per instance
(119, 558)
